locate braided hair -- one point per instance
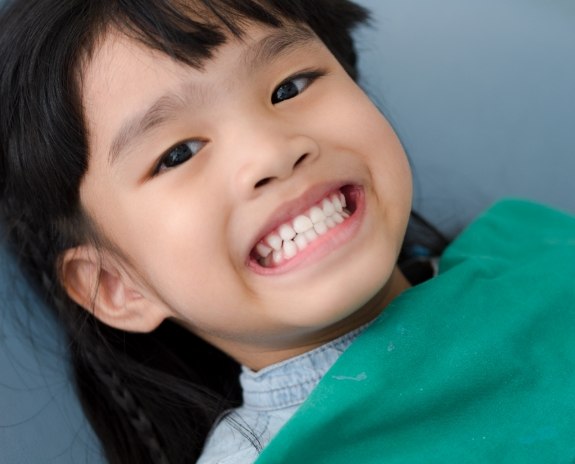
(151, 398)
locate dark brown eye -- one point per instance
(293, 86)
(179, 155)
(286, 91)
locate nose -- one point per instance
(266, 180)
(269, 152)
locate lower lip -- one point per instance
(321, 247)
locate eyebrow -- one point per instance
(280, 42)
(267, 50)
(157, 114)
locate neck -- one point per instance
(257, 360)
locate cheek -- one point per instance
(360, 128)
(184, 235)
(174, 242)
(351, 119)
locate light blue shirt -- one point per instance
(270, 397)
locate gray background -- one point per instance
(481, 93)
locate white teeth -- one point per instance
(311, 235)
(337, 203)
(316, 215)
(277, 256)
(291, 238)
(275, 241)
(320, 228)
(286, 232)
(263, 250)
(290, 249)
(337, 217)
(301, 242)
(302, 223)
(327, 207)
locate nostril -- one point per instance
(267, 180)
(300, 160)
(263, 182)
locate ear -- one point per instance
(99, 284)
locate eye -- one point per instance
(178, 155)
(293, 86)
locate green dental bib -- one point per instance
(474, 366)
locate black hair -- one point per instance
(151, 398)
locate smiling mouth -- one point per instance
(294, 236)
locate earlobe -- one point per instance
(100, 285)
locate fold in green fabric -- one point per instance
(476, 365)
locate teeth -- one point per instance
(316, 215)
(330, 222)
(311, 235)
(301, 242)
(337, 203)
(263, 250)
(277, 256)
(327, 207)
(320, 228)
(291, 238)
(338, 218)
(286, 232)
(290, 249)
(275, 241)
(302, 223)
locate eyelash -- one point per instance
(308, 76)
(182, 152)
(178, 155)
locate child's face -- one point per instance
(270, 140)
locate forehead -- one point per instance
(116, 53)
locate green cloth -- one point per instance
(474, 366)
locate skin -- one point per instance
(179, 240)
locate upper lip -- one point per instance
(293, 208)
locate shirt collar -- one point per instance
(289, 383)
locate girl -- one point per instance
(152, 157)
(199, 185)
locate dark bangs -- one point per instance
(190, 31)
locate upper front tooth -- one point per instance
(327, 207)
(286, 232)
(302, 223)
(316, 215)
(275, 241)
